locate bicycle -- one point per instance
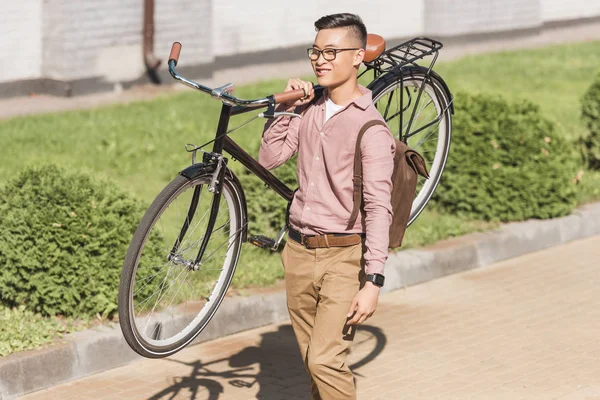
(185, 250)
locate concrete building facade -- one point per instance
(69, 47)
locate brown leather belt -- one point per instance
(325, 241)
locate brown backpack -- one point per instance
(407, 165)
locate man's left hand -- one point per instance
(364, 304)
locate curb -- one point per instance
(88, 352)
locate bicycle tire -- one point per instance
(415, 77)
(153, 347)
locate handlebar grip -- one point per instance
(175, 50)
(289, 96)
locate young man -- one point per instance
(328, 278)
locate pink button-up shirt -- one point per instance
(324, 200)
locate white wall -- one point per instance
(91, 38)
(242, 26)
(68, 39)
(187, 21)
(20, 39)
(458, 17)
(73, 39)
(554, 10)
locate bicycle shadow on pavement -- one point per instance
(275, 366)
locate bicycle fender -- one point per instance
(194, 171)
(446, 90)
(407, 71)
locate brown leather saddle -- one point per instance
(375, 46)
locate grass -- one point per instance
(140, 145)
(21, 329)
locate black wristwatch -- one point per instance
(377, 279)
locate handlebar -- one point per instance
(223, 93)
(175, 50)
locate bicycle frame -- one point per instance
(390, 61)
(394, 60)
(214, 161)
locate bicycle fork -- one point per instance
(215, 186)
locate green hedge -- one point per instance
(590, 113)
(63, 237)
(506, 162)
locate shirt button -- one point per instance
(317, 158)
(322, 134)
(307, 208)
(312, 184)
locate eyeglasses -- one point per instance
(328, 54)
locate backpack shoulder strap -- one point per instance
(357, 178)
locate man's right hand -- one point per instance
(308, 87)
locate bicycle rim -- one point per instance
(165, 300)
(433, 141)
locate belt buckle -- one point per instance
(303, 241)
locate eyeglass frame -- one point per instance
(320, 52)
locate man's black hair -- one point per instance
(353, 22)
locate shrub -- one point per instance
(506, 163)
(63, 237)
(590, 113)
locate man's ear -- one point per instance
(359, 57)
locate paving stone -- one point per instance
(523, 328)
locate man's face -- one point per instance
(336, 72)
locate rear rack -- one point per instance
(405, 53)
(395, 59)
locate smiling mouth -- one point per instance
(322, 72)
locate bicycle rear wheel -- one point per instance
(396, 96)
(165, 299)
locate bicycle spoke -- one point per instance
(417, 115)
(160, 298)
(150, 277)
(423, 115)
(207, 258)
(158, 290)
(182, 244)
(166, 284)
(201, 238)
(176, 293)
(425, 138)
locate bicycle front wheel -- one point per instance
(166, 298)
(417, 110)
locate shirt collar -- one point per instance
(362, 102)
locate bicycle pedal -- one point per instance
(262, 241)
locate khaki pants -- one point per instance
(320, 285)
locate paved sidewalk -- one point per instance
(525, 328)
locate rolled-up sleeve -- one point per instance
(377, 149)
